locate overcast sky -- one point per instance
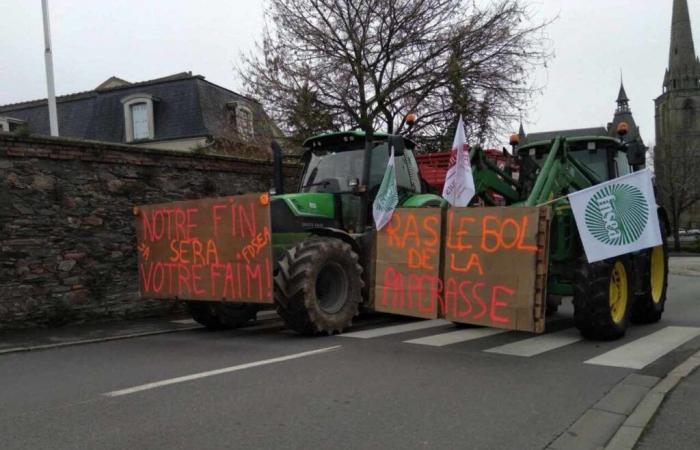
(137, 40)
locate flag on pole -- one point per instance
(388, 197)
(459, 182)
(617, 217)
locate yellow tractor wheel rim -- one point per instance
(658, 273)
(618, 292)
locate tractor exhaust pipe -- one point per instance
(277, 156)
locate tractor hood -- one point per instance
(303, 211)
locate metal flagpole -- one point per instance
(48, 61)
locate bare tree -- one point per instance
(677, 169)
(367, 63)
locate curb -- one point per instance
(32, 348)
(617, 421)
(631, 430)
(262, 317)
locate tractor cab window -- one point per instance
(595, 159)
(407, 177)
(331, 171)
(603, 157)
(622, 165)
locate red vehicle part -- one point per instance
(433, 166)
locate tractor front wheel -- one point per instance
(649, 304)
(603, 298)
(318, 286)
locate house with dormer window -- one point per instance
(178, 112)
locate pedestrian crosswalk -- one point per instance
(454, 337)
(631, 352)
(627, 353)
(643, 351)
(396, 329)
(538, 344)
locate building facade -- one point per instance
(177, 112)
(677, 118)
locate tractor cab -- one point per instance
(333, 163)
(600, 158)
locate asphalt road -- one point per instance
(376, 387)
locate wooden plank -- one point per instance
(407, 275)
(208, 249)
(493, 270)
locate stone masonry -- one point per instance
(67, 248)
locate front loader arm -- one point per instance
(489, 178)
(560, 174)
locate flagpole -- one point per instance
(48, 62)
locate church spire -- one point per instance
(623, 103)
(683, 65)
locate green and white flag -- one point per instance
(387, 197)
(617, 217)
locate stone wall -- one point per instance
(67, 248)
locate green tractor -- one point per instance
(608, 294)
(322, 235)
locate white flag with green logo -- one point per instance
(387, 197)
(617, 217)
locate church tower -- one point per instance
(623, 113)
(677, 109)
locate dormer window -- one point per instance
(241, 119)
(139, 120)
(10, 124)
(244, 121)
(138, 117)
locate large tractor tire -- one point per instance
(649, 304)
(204, 313)
(219, 316)
(603, 298)
(318, 286)
(235, 315)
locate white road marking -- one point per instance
(211, 373)
(267, 314)
(453, 337)
(396, 329)
(643, 351)
(538, 344)
(184, 321)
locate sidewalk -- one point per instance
(684, 265)
(43, 338)
(676, 425)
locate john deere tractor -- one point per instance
(607, 295)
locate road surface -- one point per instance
(387, 383)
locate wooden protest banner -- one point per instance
(495, 266)
(407, 268)
(209, 249)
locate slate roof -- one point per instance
(186, 106)
(548, 135)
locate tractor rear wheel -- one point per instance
(219, 316)
(603, 298)
(318, 286)
(204, 313)
(235, 315)
(649, 305)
